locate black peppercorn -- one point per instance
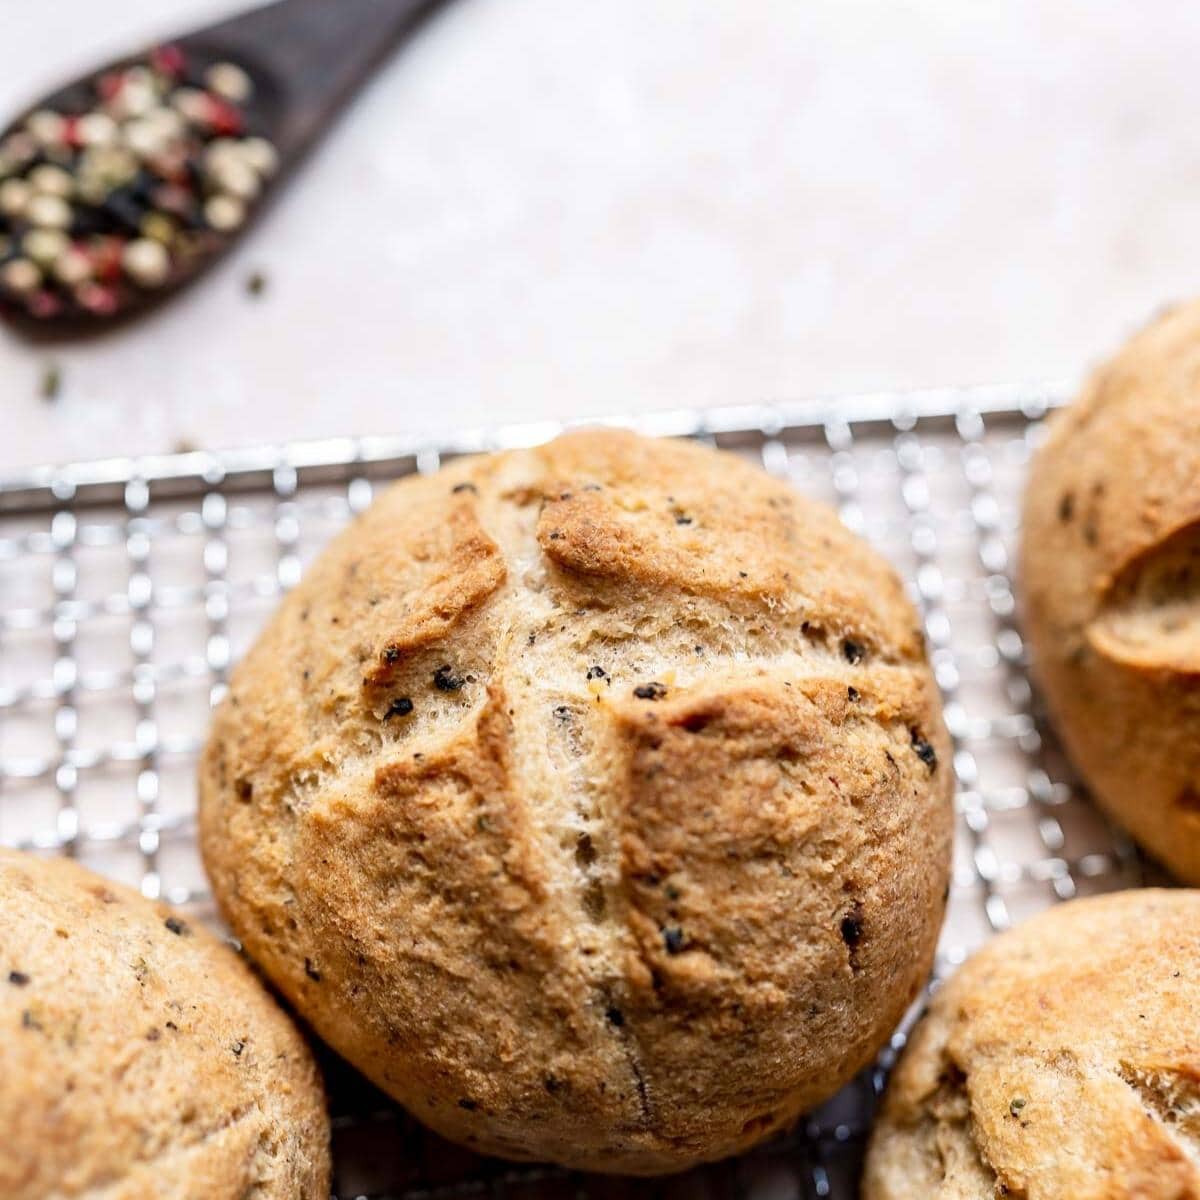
(924, 751)
(445, 680)
(851, 928)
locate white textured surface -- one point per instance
(552, 206)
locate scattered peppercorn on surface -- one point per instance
(593, 800)
(153, 169)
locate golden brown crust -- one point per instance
(139, 1056)
(1062, 1060)
(642, 853)
(1111, 586)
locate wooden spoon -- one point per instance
(305, 60)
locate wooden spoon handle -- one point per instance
(314, 54)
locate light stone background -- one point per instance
(553, 207)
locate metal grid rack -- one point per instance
(128, 587)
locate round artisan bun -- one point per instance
(593, 800)
(1062, 1061)
(1111, 581)
(140, 1057)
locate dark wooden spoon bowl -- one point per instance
(306, 58)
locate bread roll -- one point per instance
(593, 800)
(1063, 1061)
(139, 1057)
(1110, 575)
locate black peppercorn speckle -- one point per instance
(650, 691)
(853, 695)
(924, 751)
(468, 1105)
(18, 978)
(562, 712)
(391, 654)
(237, 1048)
(445, 680)
(614, 1016)
(673, 939)
(597, 673)
(400, 707)
(851, 928)
(465, 487)
(177, 927)
(551, 1084)
(680, 519)
(311, 971)
(852, 651)
(555, 535)
(29, 1021)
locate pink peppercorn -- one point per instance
(105, 254)
(44, 304)
(169, 60)
(109, 86)
(224, 119)
(97, 299)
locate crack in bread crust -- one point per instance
(1172, 1097)
(546, 934)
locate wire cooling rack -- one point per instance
(129, 587)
